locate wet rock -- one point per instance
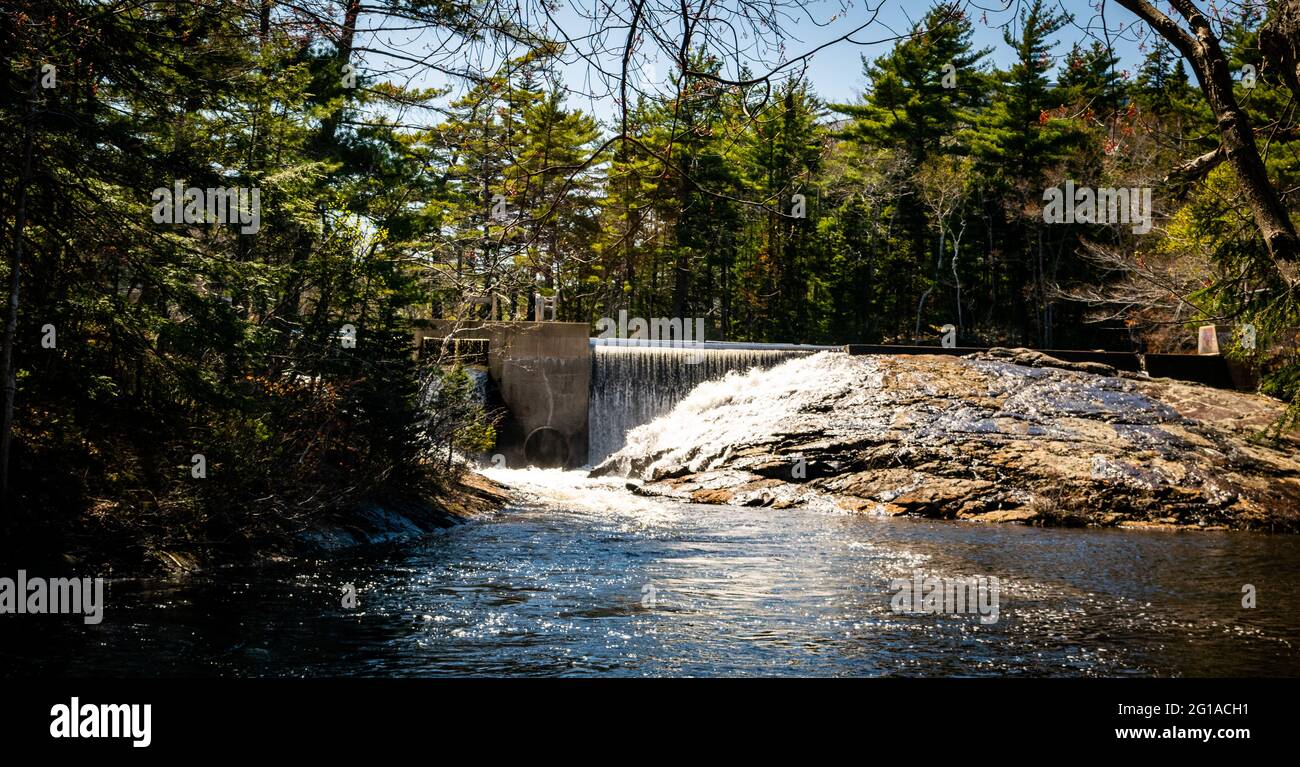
(712, 496)
(1009, 515)
(178, 562)
(1010, 436)
(1036, 359)
(372, 523)
(941, 496)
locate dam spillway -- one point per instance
(633, 383)
(566, 399)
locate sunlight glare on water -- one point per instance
(583, 577)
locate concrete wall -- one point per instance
(541, 371)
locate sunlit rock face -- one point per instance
(1014, 436)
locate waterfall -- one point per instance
(634, 384)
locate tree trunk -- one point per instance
(1201, 49)
(351, 10)
(1279, 39)
(15, 281)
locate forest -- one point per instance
(221, 219)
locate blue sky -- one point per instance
(836, 71)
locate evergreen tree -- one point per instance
(1016, 141)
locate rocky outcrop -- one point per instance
(1013, 436)
(374, 523)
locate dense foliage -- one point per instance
(196, 386)
(139, 345)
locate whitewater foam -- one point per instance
(749, 408)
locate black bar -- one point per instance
(310, 716)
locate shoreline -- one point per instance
(763, 493)
(372, 522)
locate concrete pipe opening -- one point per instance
(547, 448)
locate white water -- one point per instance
(746, 408)
(572, 489)
(631, 386)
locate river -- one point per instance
(585, 578)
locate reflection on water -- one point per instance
(586, 578)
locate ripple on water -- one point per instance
(587, 579)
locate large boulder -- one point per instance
(1042, 442)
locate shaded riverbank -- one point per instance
(58, 546)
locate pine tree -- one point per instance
(924, 94)
(1016, 140)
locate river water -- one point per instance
(585, 578)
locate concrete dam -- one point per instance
(569, 400)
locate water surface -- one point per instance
(587, 579)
